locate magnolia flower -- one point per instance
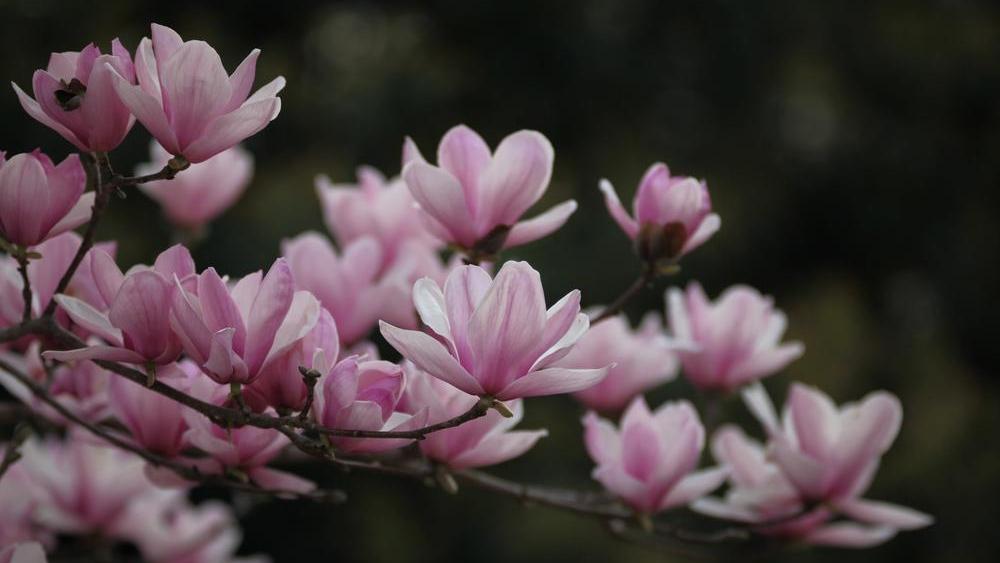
(44, 274)
(493, 337)
(136, 325)
(80, 387)
(640, 359)
(671, 215)
(19, 498)
(186, 100)
(155, 422)
(348, 285)
(363, 396)
(85, 486)
(650, 462)
(736, 338)
(204, 191)
(761, 495)
(233, 333)
(375, 207)
(487, 440)
(830, 455)
(246, 449)
(475, 199)
(280, 384)
(167, 529)
(75, 97)
(39, 200)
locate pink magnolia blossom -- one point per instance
(475, 199)
(75, 97)
(487, 440)
(167, 529)
(39, 200)
(154, 421)
(640, 359)
(671, 215)
(204, 191)
(80, 387)
(136, 325)
(280, 384)
(25, 552)
(44, 275)
(830, 454)
(761, 495)
(188, 103)
(246, 449)
(349, 285)
(233, 333)
(737, 338)
(85, 486)
(494, 337)
(651, 461)
(375, 207)
(19, 498)
(363, 395)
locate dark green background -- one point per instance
(851, 149)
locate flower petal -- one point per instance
(540, 226)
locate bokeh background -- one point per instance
(851, 148)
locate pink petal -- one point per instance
(815, 419)
(541, 226)
(884, 513)
(464, 288)
(109, 353)
(440, 195)
(227, 130)
(617, 211)
(601, 439)
(695, 486)
(464, 154)
(195, 88)
(515, 179)
(89, 318)
(275, 480)
(431, 356)
(241, 81)
(149, 112)
(552, 381)
(849, 534)
(32, 108)
(268, 311)
(498, 448)
(79, 214)
(218, 308)
(708, 227)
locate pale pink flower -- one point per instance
(651, 461)
(357, 395)
(494, 337)
(640, 359)
(39, 200)
(736, 338)
(761, 495)
(136, 325)
(671, 215)
(19, 498)
(280, 384)
(203, 191)
(475, 199)
(85, 486)
(830, 454)
(188, 103)
(233, 333)
(487, 440)
(375, 207)
(348, 284)
(75, 97)
(167, 529)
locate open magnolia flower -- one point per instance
(494, 337)
(474, 198)
(135, 325)
(186, 100)
(650, 461)
(830, 454)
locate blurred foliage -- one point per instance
(851, 148)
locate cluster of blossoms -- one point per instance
(290, 357)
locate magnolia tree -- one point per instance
(140, 384)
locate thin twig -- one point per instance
(645, 278)
(22, 267)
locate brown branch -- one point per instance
(185, 471)
(168, 172)
(22, 267)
